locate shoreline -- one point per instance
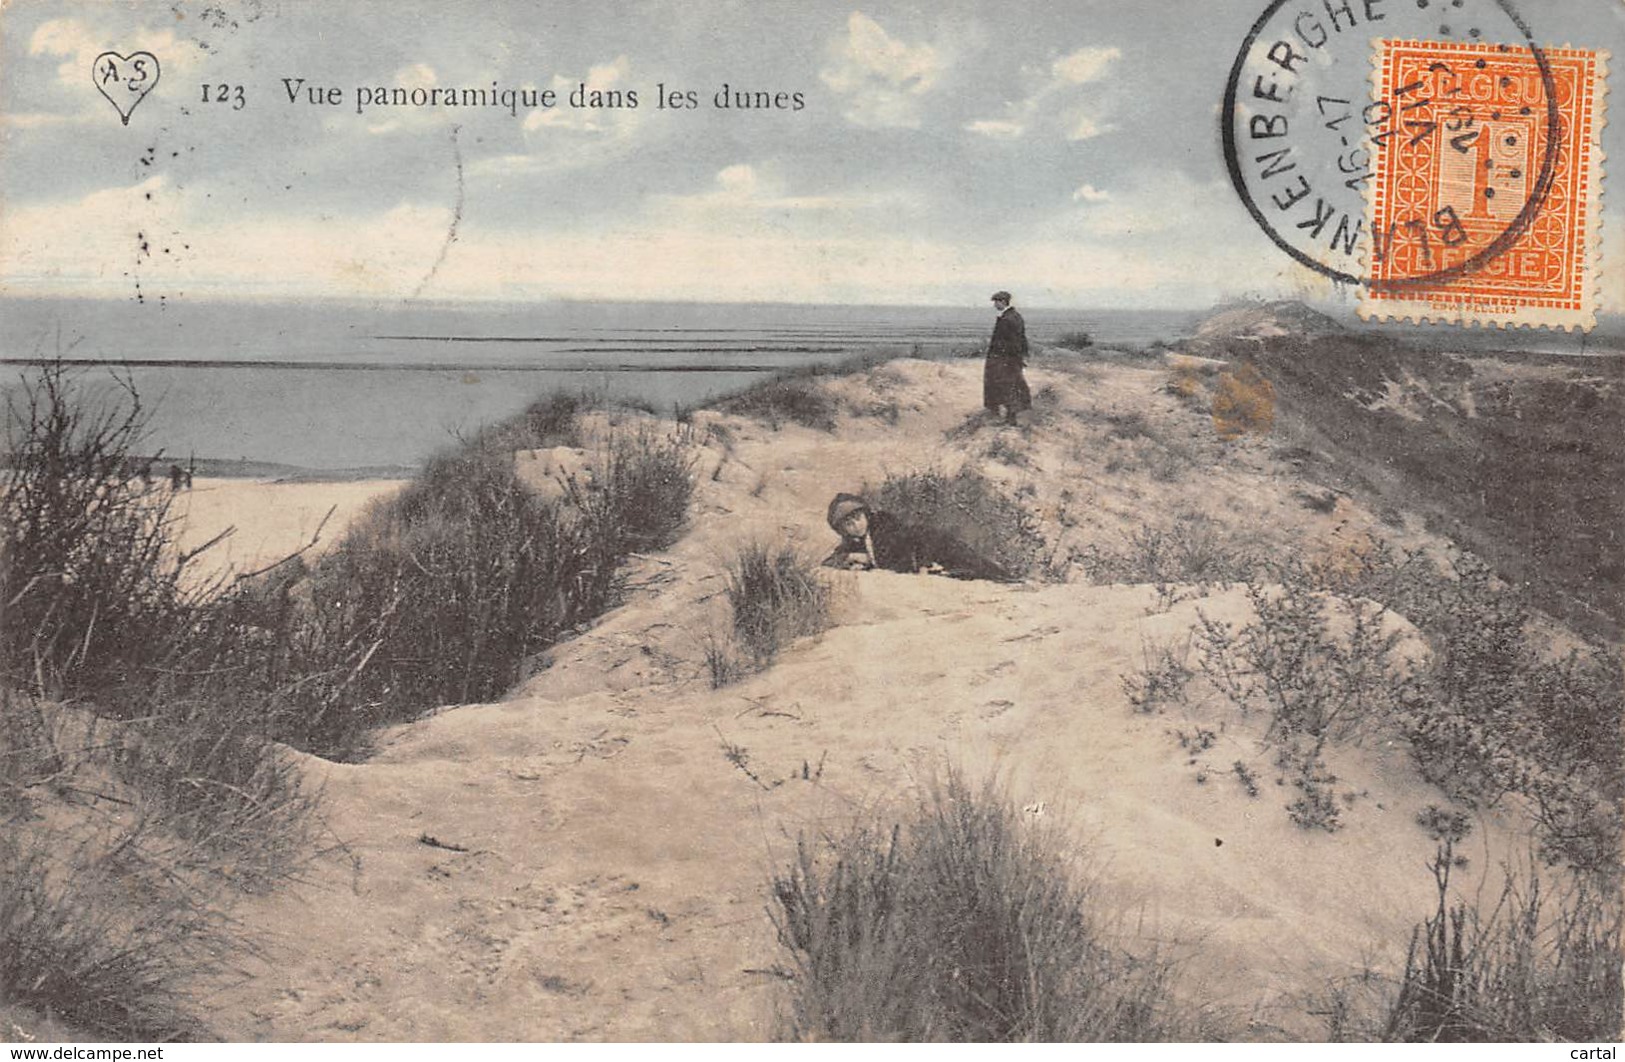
(277, 472)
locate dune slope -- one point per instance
(589, 859)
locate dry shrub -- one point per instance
(1243, 403)
(89, 578)
(99, 609)
(1192, 548)
(964, 923)
(1185, 382)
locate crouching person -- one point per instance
(871, 538)
(849, 518)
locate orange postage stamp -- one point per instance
(1484, 198)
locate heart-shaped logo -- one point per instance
(125, 79)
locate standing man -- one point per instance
(1003, 384)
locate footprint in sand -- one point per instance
(994, 709)
(988, 675)
(1036, 632)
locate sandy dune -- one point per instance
(584, 861)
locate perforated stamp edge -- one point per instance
(1427, 308)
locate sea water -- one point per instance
(333, 385)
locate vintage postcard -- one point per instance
(1054, 520)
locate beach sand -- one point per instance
(271, 519)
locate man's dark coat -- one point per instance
(1003, 383)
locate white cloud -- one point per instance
(739, 179)
(1153, 202)
(748, 232)
(79, 45)
(1085, 65)
(1084, 127)
(883, 78)
(745, 197)
(999, 128)
(386, 120)
(569, 137)
(603, 78)
(1057, 98)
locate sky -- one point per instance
(1067, 151)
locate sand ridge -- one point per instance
(589, 858)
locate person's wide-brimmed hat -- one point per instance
(1001, 296)
(844, 505)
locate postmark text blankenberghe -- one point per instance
(1299, 126)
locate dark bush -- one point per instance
(90, 581)
(963, 524)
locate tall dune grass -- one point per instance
(1526, 966)
(442, 594)
(962, 923)
(776, 595)
(183, 691)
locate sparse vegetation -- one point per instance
(1075, 341)
(796, 396)
(962, 923)
(1314, 686)
(1491, 716)
(1193, 548)
(1006, 452)
(1247, 779)
(1130, 425)
(1485, 714)
(1529, 966)
(1163, 678)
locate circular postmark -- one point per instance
(1392, 143)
